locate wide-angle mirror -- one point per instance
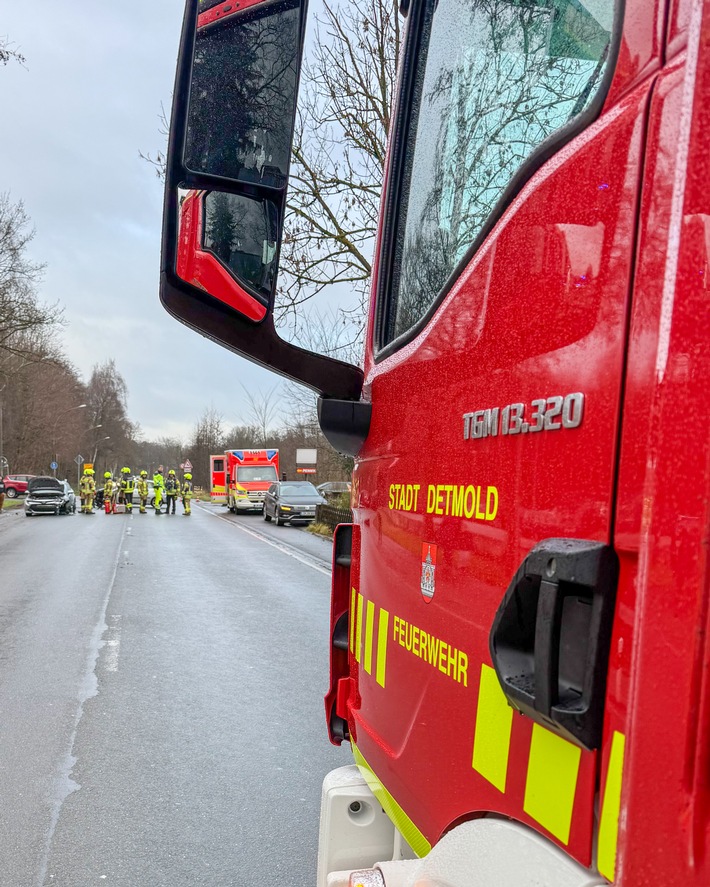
(227, 245)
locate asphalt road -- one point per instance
(161, 714)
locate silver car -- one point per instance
(288, 501)
(48, 495)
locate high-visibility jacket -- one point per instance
(172, 485)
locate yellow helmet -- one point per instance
(144, 473)
(125, 471)
(172, 471)
(188, 476)
(107, 474)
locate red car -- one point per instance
(16, 484)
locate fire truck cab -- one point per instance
(520, 613)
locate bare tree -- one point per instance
(207, 439)
(9, 53)
(263, 410)
(344, 116)
(333, 335)
(159, 161)
(107, 397)
(24, 320)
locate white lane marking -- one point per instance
(88, 687)
(113, 644)
(283, 547)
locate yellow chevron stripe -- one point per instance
(382, 638)
(551, 783)
(611, 805)
(494, 722)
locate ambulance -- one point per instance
(246, 475)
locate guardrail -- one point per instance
(331, 517)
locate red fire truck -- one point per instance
(521, 608)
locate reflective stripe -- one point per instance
(358, 629)
(551, 783)
(369, 631)
(611, 804)
(403, 823)
(382, 637)
(494, 722)
(353, 616)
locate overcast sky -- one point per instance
(73, 121)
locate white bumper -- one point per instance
(355, 834)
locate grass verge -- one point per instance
(320, 530)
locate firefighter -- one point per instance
(87, 489)
(143, 490)
(109, 493)
(126, 483)
(125, 495)
(172, 490)
(158, 485)
(186, 493)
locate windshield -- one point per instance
(299, 489)
(499, 77)
(262, 473)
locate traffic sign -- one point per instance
(53, 466)
(187, 465)
(306, 470)
(79, 460)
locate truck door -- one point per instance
(495, 366)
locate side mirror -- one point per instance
(233, 116)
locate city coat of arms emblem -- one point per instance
(428, 581)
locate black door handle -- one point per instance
(550, 638)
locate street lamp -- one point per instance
(81, 406)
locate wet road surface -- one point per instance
(161, 714)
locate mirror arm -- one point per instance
(345, 423)
(258, 342)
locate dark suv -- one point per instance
(16, 484)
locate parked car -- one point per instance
(288, 501)
(48, 495)
(334, 488)
(16, 484)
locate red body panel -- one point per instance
(224, 10)
(566, 295)
(664, 492)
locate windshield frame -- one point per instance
(401, 150)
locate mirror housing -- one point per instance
(227, 144)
